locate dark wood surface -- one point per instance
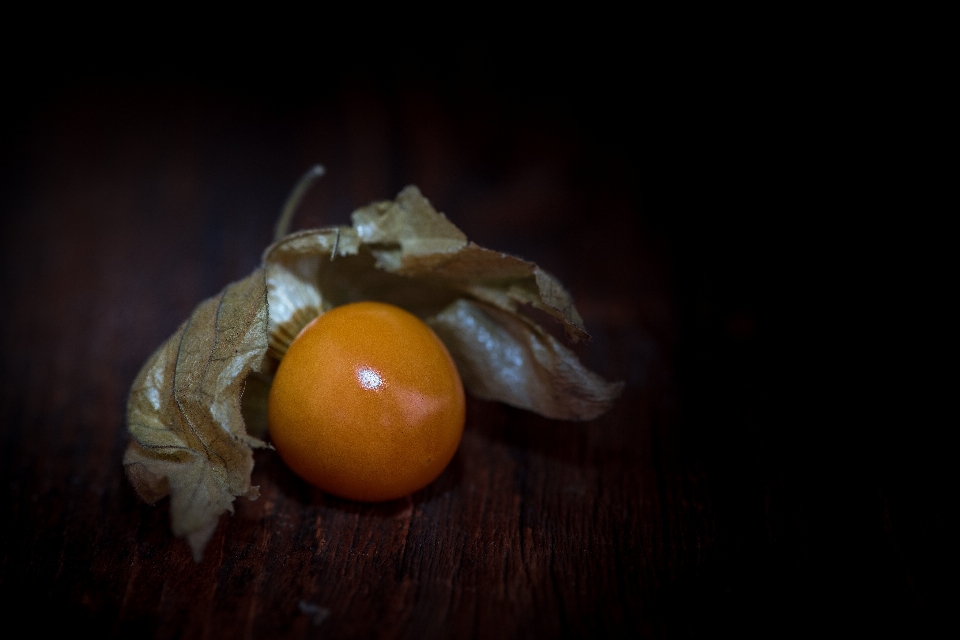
(704, 502)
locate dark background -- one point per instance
(684, 193)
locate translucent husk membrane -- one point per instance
(198, 406)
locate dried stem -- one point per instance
(293, 200)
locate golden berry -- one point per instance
(367, 403)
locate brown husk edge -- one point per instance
(189, 436)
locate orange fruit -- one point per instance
(367, 403)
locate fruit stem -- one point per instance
(293, 200)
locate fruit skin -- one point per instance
(367, 403)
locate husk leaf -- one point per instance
(188, 436)
(191, 432)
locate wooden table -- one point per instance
(698, 504)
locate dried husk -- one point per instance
(191, 438)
